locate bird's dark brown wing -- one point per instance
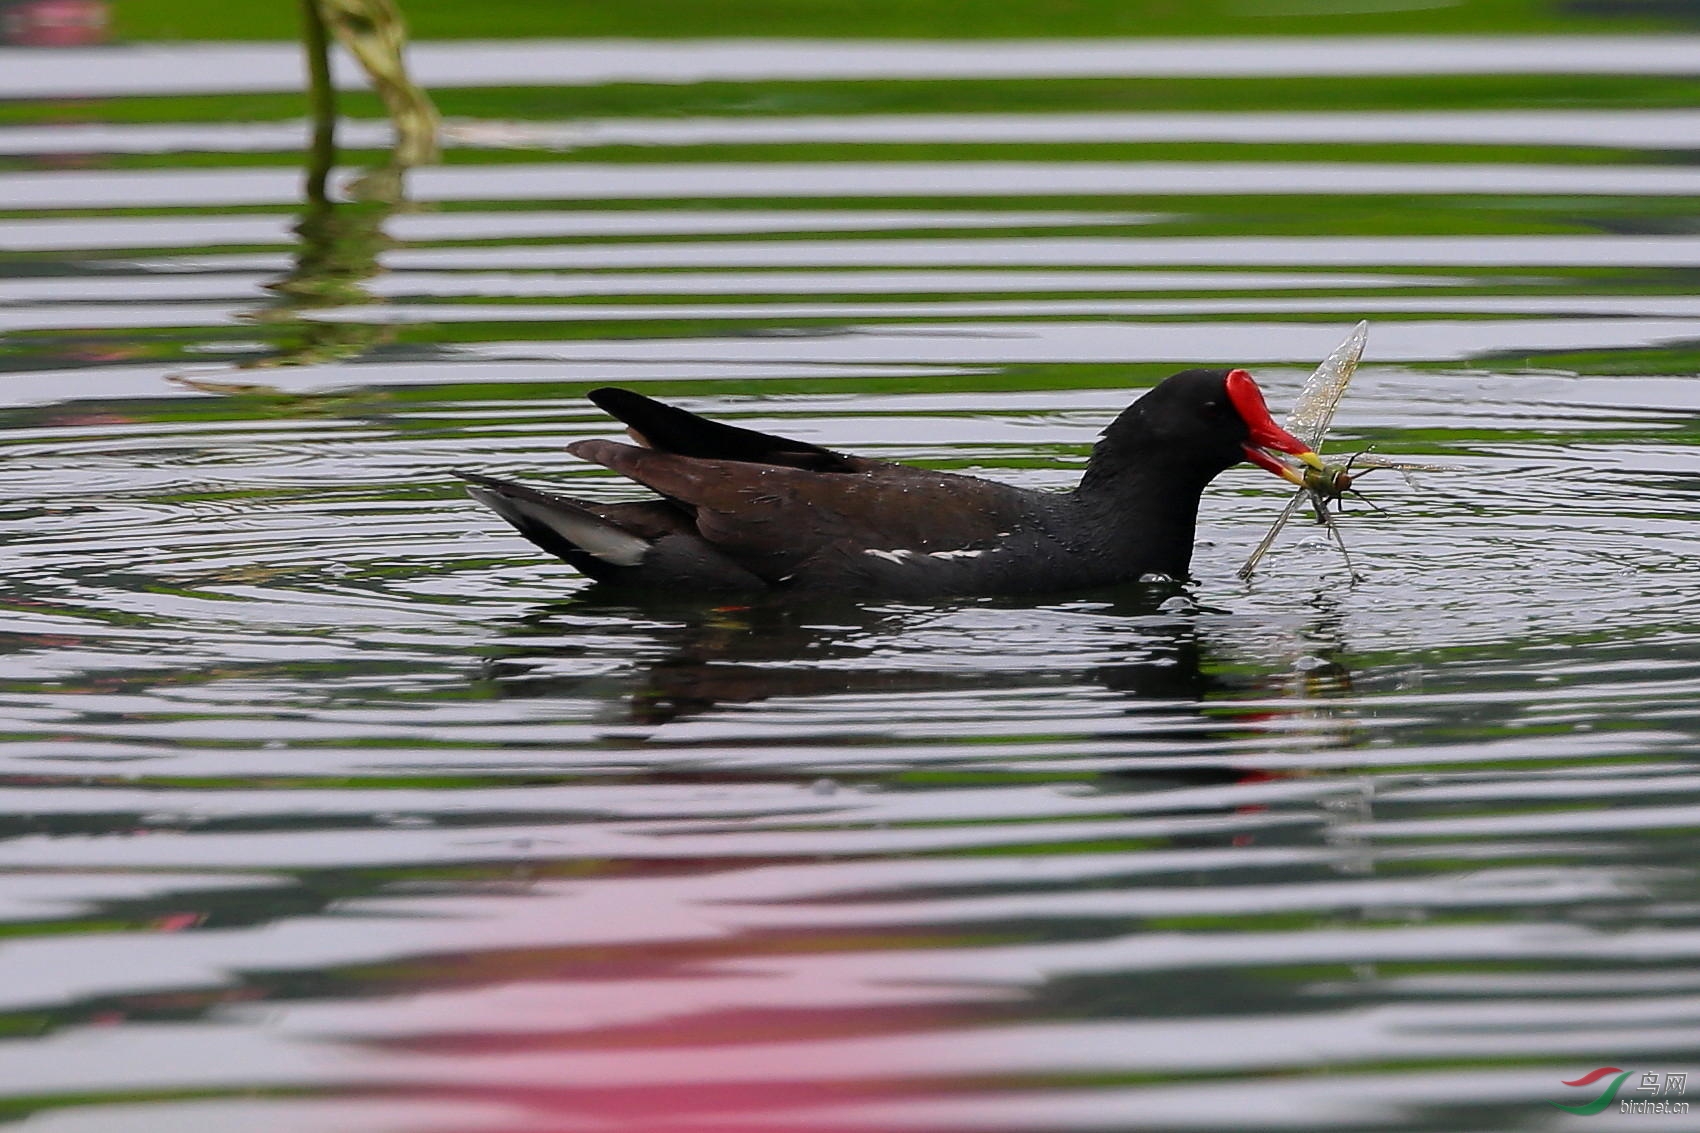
(772, 518)
(667, 428)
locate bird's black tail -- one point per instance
(667, 428)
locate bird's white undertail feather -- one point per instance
(591, 535)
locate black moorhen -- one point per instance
(745, 511)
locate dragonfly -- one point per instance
(1323, 483)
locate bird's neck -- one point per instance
(1145, 510)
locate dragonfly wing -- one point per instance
(1362, 464)
(1314, 410)
(1274, 529)
(1401, 465)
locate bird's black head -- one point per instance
(1190, 427)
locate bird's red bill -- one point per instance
(1266, 437)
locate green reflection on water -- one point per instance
(926, 19)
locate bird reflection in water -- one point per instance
(705, 656)
(701, 656)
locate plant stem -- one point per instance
(321, 100)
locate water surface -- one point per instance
(330, 804)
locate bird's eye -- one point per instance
(1211, 410)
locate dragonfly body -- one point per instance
(1329, 482)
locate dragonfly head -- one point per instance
(1266, 443)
